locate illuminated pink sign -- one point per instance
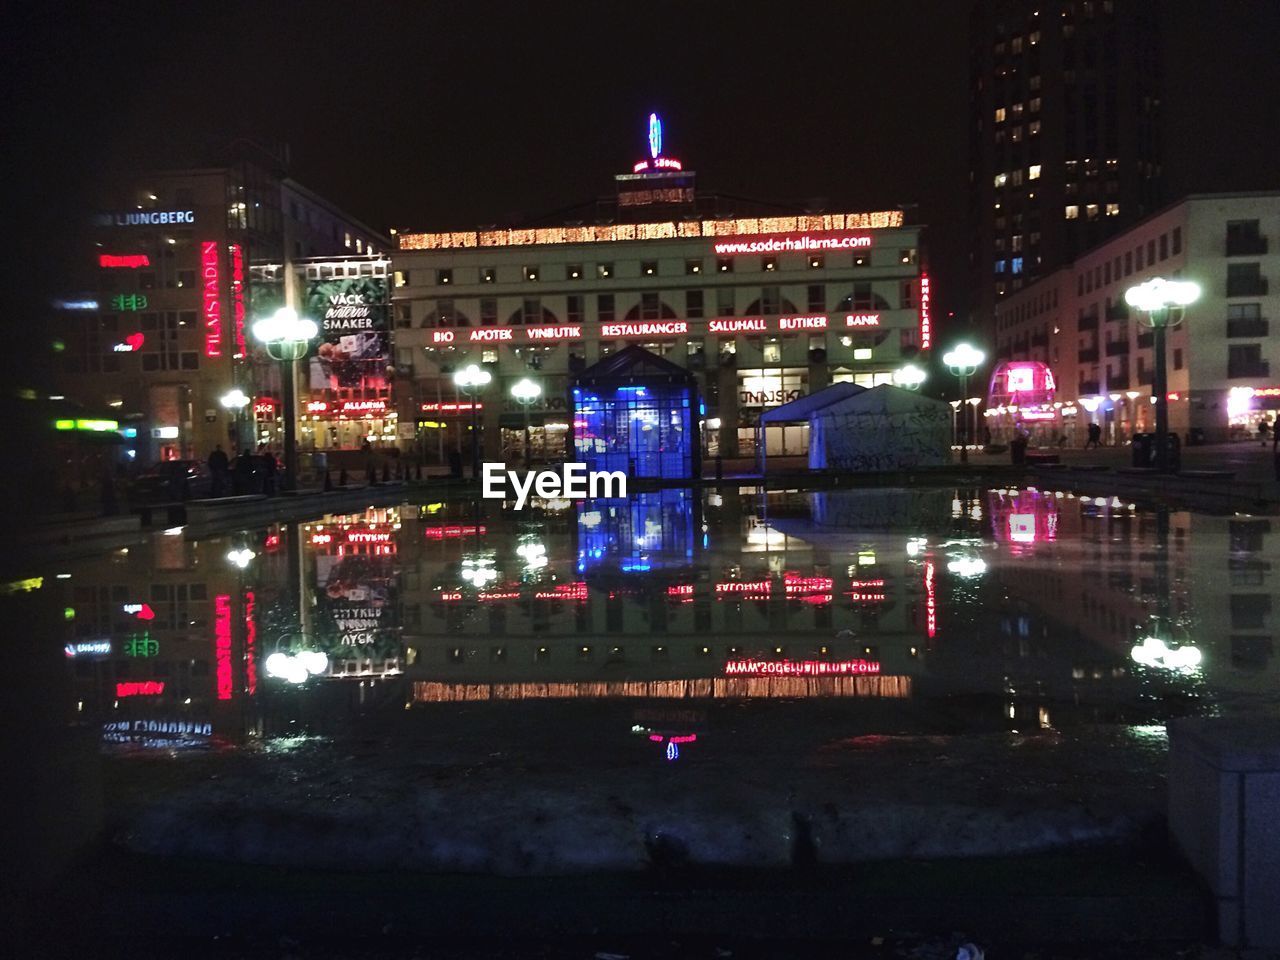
(130, 261)
(442, 336)
(451, 407)
(813, 322)
(491, 335)
(553, 333)
(139, 688)
(250, 642)
(1021, 378)
(210, 280)
(793, 242)
(362, 406)
(741, 325)
(237, 296)
(452, 532)
(930, 600)
(800, 668)
(658, 163)
(926, 313)
(222, 645)
(862, 320)
(742, 586)
(1036, 414)
(659, 328)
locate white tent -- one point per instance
(801, 410)
(884, 428)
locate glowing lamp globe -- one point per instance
(1160, 294)
(285, 334)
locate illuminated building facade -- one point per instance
(760, 308)
(160, 332)
(1065, 135)
(1221, 378)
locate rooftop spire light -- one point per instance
(655, 136)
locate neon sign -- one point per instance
(680, 590)
(930, 600)
(442, 336)
(926, 315)
(785, 243)
(563, 591)
(362, 406)
(212, 302)
(142, 611)
(135, 218)
(128, 261)
(129, 301)
(800, 668)
(664, 328)
(655, 136)
(553, 333)
(139, 688)
(658, 163)
(452, 532)
(815, 322)
(745, 325)
(317, 406)
(88, 648)
(222, 644)
(141, 645)
(862, 320)
(250, 642)
(132, 343)
(237, 296)
(264, 407)
(451, 407)
(492, 335)
(741, 586)
(1036, 414)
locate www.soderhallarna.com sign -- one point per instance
(573, 481)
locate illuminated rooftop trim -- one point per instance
(895, 687)
(667, 230)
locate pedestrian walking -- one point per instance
(269, 466)
(1095, 436)
(1263, 429)
(219, 466)
(242, 473)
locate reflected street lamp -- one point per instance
(235, 400)
(909, 377)
(287, 338)
(1162, 301)
(525, 392)
(470, 380)
(963, 361)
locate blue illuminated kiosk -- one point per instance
(637, 412)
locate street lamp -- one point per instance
(287, 338)
(470, 379)
(964, 361)
(1162, 301)
(235, 400)
(240, 558)
(909, 377)
(525, 392)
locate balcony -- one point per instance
(1118, 348)
(1239, 370)
(1089, 355)
(1119, 382)
(1254, 246)
(1118, 311)
(1247, 287)
(1087, 323)
(1039, 339)
(1247, 327)
(1088, 387)
(1146, 341)
(1146, 377)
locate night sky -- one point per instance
(439, 115)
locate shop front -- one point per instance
(1248, 408)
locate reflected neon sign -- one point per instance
(222, 645)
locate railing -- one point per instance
(1239, 370)
(1117, 348)
(1247, 287)
(1246, 246)
(1247, 327)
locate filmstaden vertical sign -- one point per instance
(210, 279)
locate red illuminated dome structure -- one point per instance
(1020, 399)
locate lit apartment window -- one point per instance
(1113, 209)
(724, 265)
(488, 274)
(772, 353)
(1001, 179)
(359, 245)
(768, 263)
(1033, 128)
(1016, 110)
(692, 267)
(489, 355)
(531, 273)
(1072, 211)
(444, 277)
(1091, 211)
(1033, 40)
(573, 271)
(907, 256)
(861, 259)
(999, 114)
(1033, 172)
(816, 262)
(649, 267)
(346, 240)
(862, 353)
(402, 278)
(604, 270)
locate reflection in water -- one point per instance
(1055, 607)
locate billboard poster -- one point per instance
(355, 342)
(355, 606)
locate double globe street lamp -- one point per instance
(234, 401)
(287, 338)
(909, 377)
(963, 361)
(525, 392)
(471, 379)
(1162, 302)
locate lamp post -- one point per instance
(287, 338)
(235, 400)
(909, 377)
(963, 361)
(470, 379)
(525, 392)
(1162, 301)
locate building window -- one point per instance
(575, 311)
(1177, 240)
(1072, 211)
(816, 301)
(773, 353)
(1128, 263)
(725, 305)
(768, 263)
(1245, 280)
(693, 303)
(604, 308)
(402, 278)
(649, 268)
(862, 259)
(488, 274)
(1113, 210)
(573, 271)
(489, 355)
(531, 310)
(444, 276)
(1000, 114)
(1091, 211)
(1033, 172)
(604, 270)
(692, 267)
(907, 294)
(816, 262)
(862, 296)
(488, 311)
(530, 273)
(724, 265)
(346, 240)
(446, 316)
(1151, 252)
(1177, 358)
(650, 306)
